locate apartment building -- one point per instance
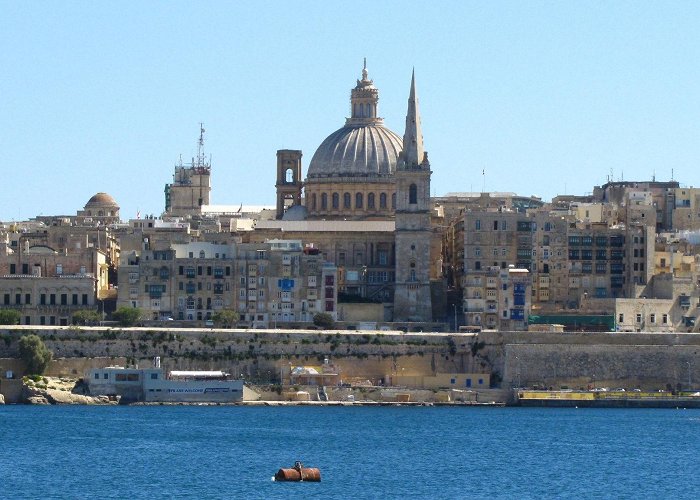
(270, 283)
(47, 286)
(497, 298)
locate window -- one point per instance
(358, 200)
(382, 200)
(324, 201)
(412, 194)
(478, 225)
(652, 318)
(336, 201)
(59, 268)
(639, 318)
(370, 200)
(621, 318)
(664, 319)
(346, 200)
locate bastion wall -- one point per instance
(577, 359)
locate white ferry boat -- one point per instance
(154, 385)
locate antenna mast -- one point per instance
(200, 145)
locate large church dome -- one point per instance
(363, 147)
(356, 151)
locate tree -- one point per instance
(127, 316)
(226, 318)
(34, 353)
(86, 317)
(324, 320)
(9, 317)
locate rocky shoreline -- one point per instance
(59, 391)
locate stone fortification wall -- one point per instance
(648, 367)
(261, 355)
(648, 361)
(587, 360)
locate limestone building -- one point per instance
(191, 185)
(266, 283)
(366, 206)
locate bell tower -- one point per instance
(289, 181)
(412, 301)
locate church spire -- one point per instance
(413, 153)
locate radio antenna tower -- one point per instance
(200, 145)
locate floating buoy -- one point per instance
(299, 473)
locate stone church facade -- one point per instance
(364, 174)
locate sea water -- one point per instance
(362, 452)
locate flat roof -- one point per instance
(365, 226)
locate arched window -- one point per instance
(313, 201)
(358, 200)
(367, 111)
(382, 200)
(201, 254)
(393, 200)
(370, 200)
(336, 200)
(324, 201)
(413, 194)
(346, 200)
(289, 175)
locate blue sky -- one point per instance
(545, 97)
